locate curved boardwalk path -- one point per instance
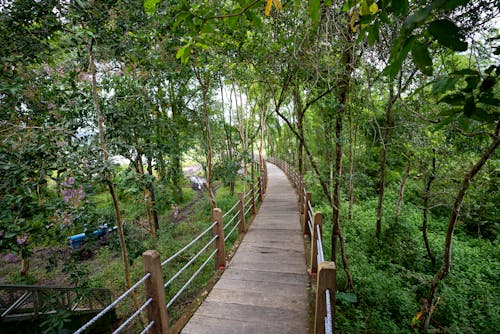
(264, 289)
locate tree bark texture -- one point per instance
(426, 196)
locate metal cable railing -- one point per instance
(190, 279)
(197, 255)
(133, 316)
(248, 202)
(189, 244)
(148, 327)
(328, 317)
(228, 224)
(230, 210)
(113, 304)
(232, 230)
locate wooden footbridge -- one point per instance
(266, 286)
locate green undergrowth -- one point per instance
(392, 275)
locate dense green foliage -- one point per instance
(389, 108)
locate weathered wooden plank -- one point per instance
(213, 325)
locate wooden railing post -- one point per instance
(157, 310)
(261, 190)
(263, 178)
(252, 200)
(326, 280)
(307, 200)
(301, 197)
(318, 221)
(219, 244)
(241, 213)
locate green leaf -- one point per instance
(398, 55)
(444, 122)
(487, 84)
(373, 33)
(400, 7)
(422, 58)
(489, 100)
(453, 99)
(150, 6)
(469, 106)
(465, 71)
(347, 297)
(472, 82)
(481, 115)
(314, 11)
(447, 34)
(418, 17)
(452, 4)
(444, 85)
(183, 53)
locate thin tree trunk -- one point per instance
(430, 303)
(176, 174)
(352, 143)
(147, 197)
(402, 188)
(383, 160)
(427, 194)
(154, 208)
(343, 90)
(107, 178)
(204, 90)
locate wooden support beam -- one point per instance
(307, 200)
(219, 244)
(326, 280)
(157, 310)
(252, 200)
(241, 213)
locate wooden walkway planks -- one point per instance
(264, 289)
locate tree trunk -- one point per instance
(147, 197)
(402, 188)
(25, 266)
(352, 143)
(426, 196)
(383, 160)
(204, 90)
(176, 175)
(154, 208)
(430, 303)
(107, 177)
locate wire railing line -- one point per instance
(247, 194)
(248, 202)
(174, 298)
(249, 208)
(148, 327)
(328, 317)
(190, 261)
(133, 316)
(189, 244)
(319, 245)
(230, 210)
(112, 305)
(226, 226)
(232, 230)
